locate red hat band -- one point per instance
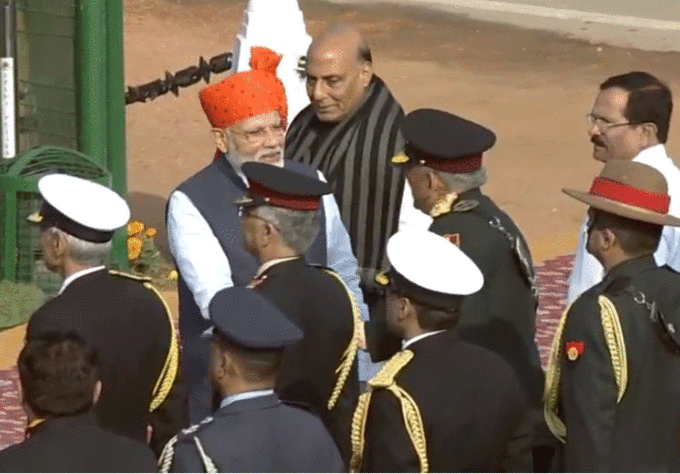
(619, 192)
(275, 198)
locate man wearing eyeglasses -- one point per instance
(247, 112)
(630, 121)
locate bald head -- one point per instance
(339, 70)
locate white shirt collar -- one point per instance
(267, 265)
(75, 275)
(405, 344)
(651, 154)
(245, 396)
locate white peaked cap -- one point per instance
(433, 263)
(83, 208)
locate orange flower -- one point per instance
(135, 227)
(134, 248)
(150, 232)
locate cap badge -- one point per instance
(453, 238)
(575, 349)
(400, 159)
(464, 206)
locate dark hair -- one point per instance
(58, 374)
(649, 100)
(435, 319)
(259, 365)
(635, 237)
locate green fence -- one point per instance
(70, 94)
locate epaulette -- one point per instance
(413, 420)
(130, 276)
(165, 460)
(348, 357)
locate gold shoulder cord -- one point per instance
(409, 409)
(552, 382)
(350, 353)
(169, 372)
(613, 334)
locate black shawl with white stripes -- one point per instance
(354, 155)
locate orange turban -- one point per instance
(246, 94)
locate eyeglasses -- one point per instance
(259, 135)
(604, 125)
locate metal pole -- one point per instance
(7, 84)
(90, 57)
(115, 108)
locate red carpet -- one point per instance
(552, 278)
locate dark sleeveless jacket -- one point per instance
(213, 191)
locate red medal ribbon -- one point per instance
(619, 192)
(302, 203)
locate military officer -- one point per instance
(613, 383)
(440, 404)
(122, 316)
(280, 220)
(444, 166)
(252, 431)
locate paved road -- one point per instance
(649, 25)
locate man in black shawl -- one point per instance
(349, 132)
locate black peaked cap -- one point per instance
(444, 136)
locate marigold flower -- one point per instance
(135, 227)
(150, 232)
(134, 248)
(173, 275)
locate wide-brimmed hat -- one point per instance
(631, 190)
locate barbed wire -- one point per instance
(184, 78)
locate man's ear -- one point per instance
(220, 137)
(607, 239)
(59, 245)
(651, 132)
(366, 74)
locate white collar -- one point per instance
(75, 275)
(267, 265)
(651, 154)
(405, 344)
(226, 401)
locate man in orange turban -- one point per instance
(248, 114)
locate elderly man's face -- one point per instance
(336, 81)
(612, 135)
(260, 138)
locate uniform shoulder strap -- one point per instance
(349, 355)
(413, 420)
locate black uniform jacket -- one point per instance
(322, 307)
(258, 435)
(619, 389)
(472, 406)
(76, 444)
(129, 327)
(502, 315)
